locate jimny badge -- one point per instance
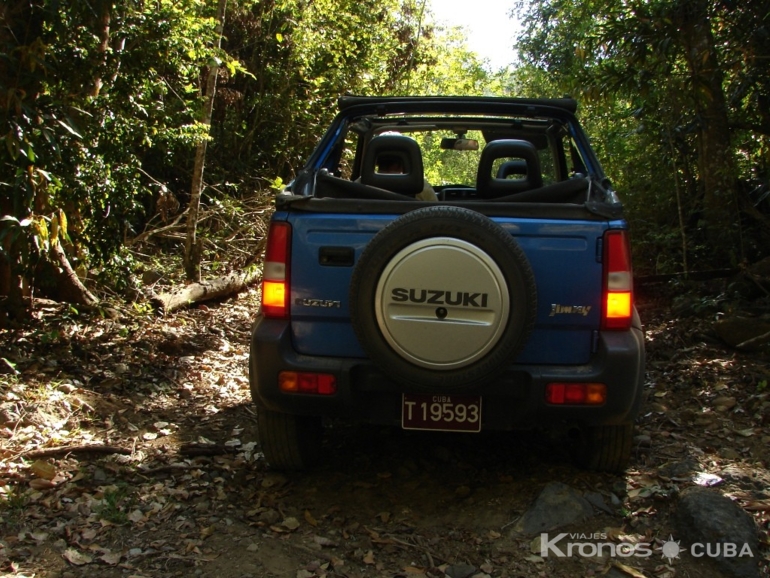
(557, 309)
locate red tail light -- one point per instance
(275, 274)
(618, 282)
(302, 382)
(576, 393)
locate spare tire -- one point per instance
(443, 298)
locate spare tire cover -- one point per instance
(442, 298)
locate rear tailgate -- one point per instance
(565, 256)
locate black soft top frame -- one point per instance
(392, 104)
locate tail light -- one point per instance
(275, 274)
(618, 282)
(576, 393)
(303, 382)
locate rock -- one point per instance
(681, 469)
(557, 505)
(597, 501)
(705, 516)
(737, 331)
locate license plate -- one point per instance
(441, 412)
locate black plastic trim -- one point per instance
(491, 208)
(516, 400)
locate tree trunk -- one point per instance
(103, 32)
(716, 161)
(68, 286)
(192, 250)
(206, 291)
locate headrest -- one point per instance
(390, 149)
(516, 169)
(518, 152)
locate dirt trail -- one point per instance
(193, 497)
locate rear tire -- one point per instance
(605, 448)
(289, 442)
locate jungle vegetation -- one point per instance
(105, 104)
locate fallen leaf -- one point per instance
(111, 558)
(325, 542)
(534, 545)
(290, 523)
(77, 558)
(207, 531)
(44, 470)
(628, 570)
(369, 558)
(724, 403)
(279, 529)
(758, 506)
(40, 484)
(310, 519)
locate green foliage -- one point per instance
(102, 94)
(114, 505)
(647, 74)
(13, 503)
(101, 104)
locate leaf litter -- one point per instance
(129, 448)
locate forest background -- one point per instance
(109, 110)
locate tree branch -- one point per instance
(98, 449)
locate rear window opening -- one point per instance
(450, 158)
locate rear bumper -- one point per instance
(516, 400)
